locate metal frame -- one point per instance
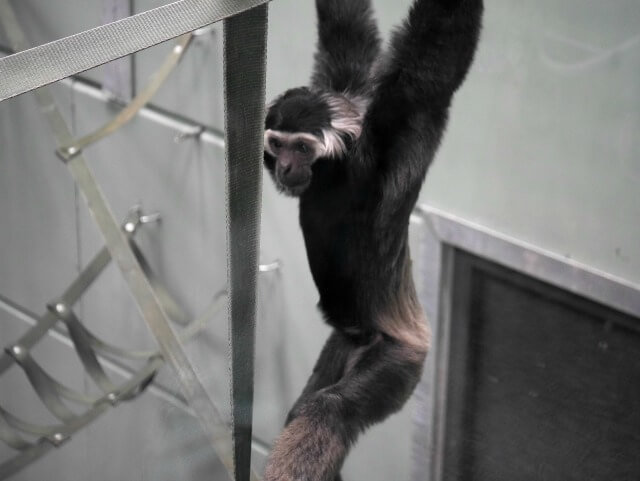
(56, 396)
(440, 236)
(244, 66)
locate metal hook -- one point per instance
(194, 133)
(136, 218)
(148, 218)
(416, 219)
(271, 267)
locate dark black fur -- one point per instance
(300, 110)
(355, 215)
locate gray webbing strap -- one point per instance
(42, 65)
(245, 64)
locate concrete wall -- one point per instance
(542, 146)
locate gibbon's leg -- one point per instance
(378, 383)
(329, 369)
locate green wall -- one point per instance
(544, 142)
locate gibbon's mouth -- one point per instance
(294, 190)
(293, 182)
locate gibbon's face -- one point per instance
(293, 139)
(293, 154)
(304, 127)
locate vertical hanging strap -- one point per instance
(245, 63)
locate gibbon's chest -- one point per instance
(334, 223)
(336, 236)
(327, 235)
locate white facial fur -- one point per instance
(347, 116)
(289, 138)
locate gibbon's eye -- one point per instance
(302, 148)
(275, 143)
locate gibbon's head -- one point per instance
(303, 127)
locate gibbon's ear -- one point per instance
(346, 124)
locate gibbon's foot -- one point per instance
(299, 457)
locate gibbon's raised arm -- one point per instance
(348, 45)
(428, 59)
(355, 148)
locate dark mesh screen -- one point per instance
(544, 385)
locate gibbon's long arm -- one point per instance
(354, 213)
(427, 61)
(348, 45)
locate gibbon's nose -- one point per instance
(293, 176)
